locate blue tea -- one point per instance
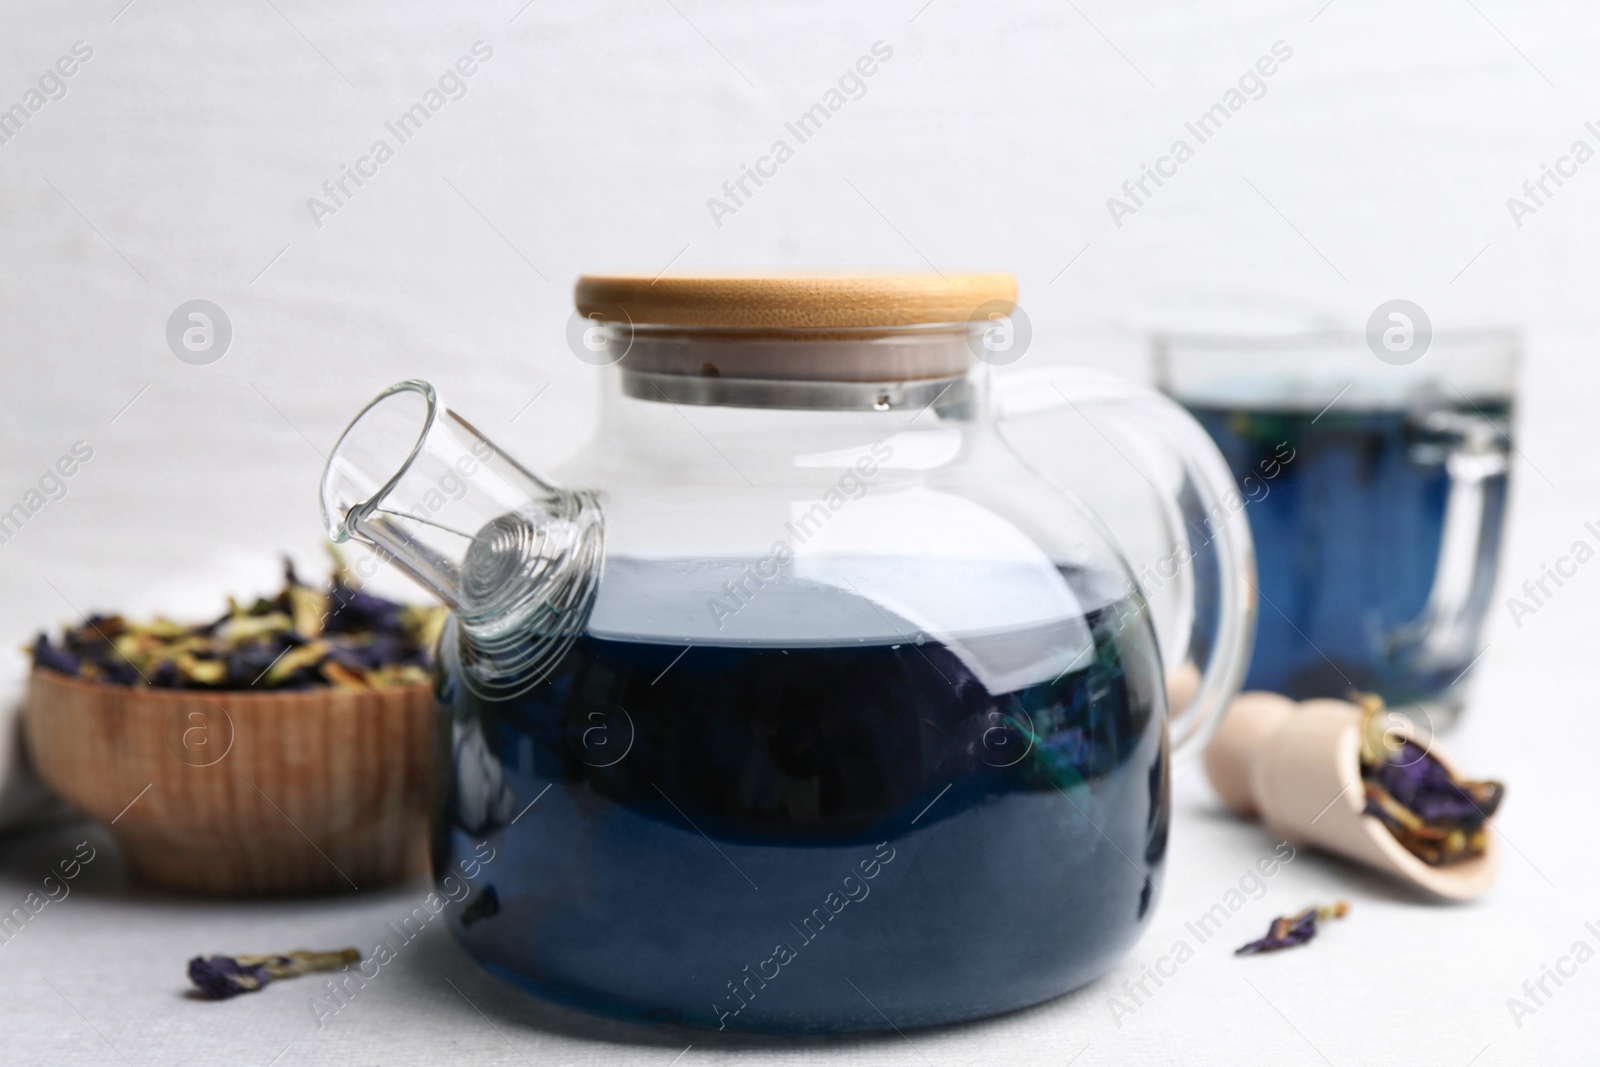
(839, 835)
(1377, 533)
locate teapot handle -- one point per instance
(1206, 528)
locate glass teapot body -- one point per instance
(843, 718)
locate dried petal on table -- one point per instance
(1290, 930)
(221, 977)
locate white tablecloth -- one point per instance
(99, 975)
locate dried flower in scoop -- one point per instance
(1291, 930)
(299, 639)
(221, 977)
(1439, 818)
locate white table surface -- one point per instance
(99, 976)
(178, 166)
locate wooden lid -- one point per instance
(797, 301)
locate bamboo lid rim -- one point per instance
(795, 301)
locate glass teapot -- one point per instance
(798, 701)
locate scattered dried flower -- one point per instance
(1290, 930)
(300, 639)
(221, 977)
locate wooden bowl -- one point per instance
(244, 793)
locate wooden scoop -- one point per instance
(1297, 767)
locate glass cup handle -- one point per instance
(1207, 528)
(1472, 450)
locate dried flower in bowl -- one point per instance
(302, 638)
(1439, 818)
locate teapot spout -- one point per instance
(517, 560)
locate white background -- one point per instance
(1377, 166)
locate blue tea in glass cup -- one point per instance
(1376, 494)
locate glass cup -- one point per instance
(1375, 483)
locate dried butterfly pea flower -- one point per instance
(342, 677)
(52, 658)
(1437, 817)
(307, 608)
(221, 977)
(1290, 930)
(243, 629)
(399, 674)
(294, 660)
(204, 671)
(299, 639)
